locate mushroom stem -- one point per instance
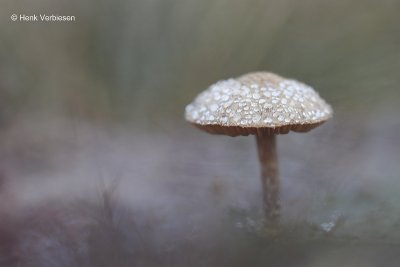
(266, 145)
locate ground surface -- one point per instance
(75, 194)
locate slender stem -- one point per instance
(266, 144)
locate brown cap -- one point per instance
(255, 102)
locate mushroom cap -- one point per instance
(258, 102)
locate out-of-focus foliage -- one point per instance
(147, 59)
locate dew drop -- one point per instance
(268, 120)
(267, 94)
(225, 97)
(214, 107)
(256, 118)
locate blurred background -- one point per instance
(99, 168)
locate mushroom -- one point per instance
(261, 104)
